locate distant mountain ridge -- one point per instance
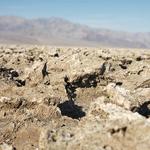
(60, 32)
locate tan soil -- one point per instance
(105, 106)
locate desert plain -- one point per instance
(61, 98)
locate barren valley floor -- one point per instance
(74, 98)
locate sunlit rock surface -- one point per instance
(74, 98)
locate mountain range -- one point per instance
(61, 32)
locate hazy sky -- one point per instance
(127, 15)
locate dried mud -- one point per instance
(74, 98)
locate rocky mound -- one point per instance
(74, 98)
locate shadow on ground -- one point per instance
(143, 109)
(70, 109)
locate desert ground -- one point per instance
(61, 98)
